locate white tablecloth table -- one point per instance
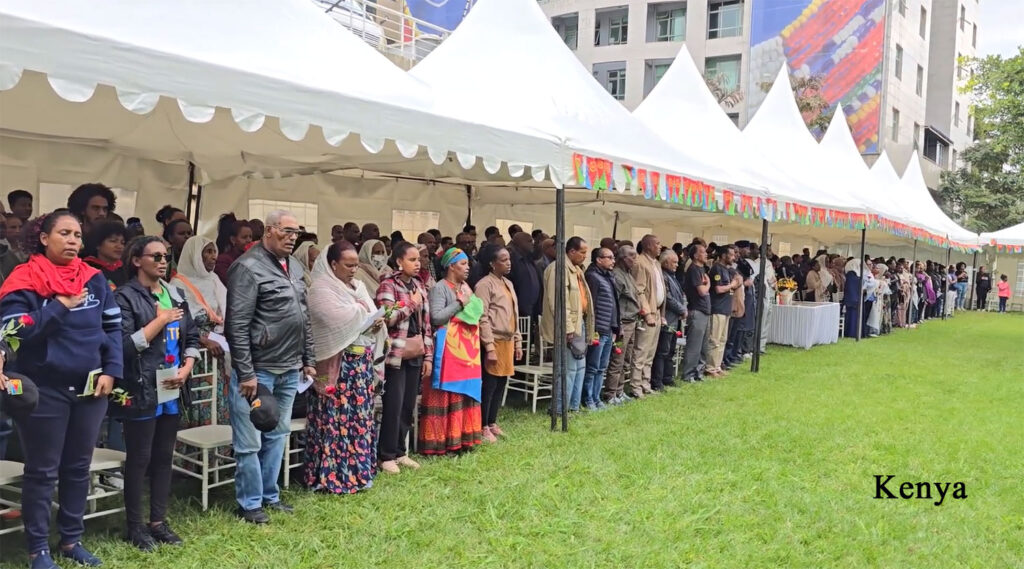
(804, 324)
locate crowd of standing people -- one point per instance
(112, 322)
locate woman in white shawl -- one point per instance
(827, 280)
(207, 302)
(879, 290)
(306, 254)
(341, 447)
(373, 260)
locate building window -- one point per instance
(669, 24)
(895, 125)
(919, 87)
(727, 69)
(899, 61)
(734, 117)
(974, 35)
(568, 27)
(952, 160)
(725, 19)
(959, 66)
(616, 83)
(923, 26)
(970, 125)
(956, 113)
(903, 8)
(917, 134)
(305, 213)
(618, 29)
(1020, 278)
(411, 223)
(963, 17)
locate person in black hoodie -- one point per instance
(72, 349)
(983, 284)
(160, 345)
(524, 276)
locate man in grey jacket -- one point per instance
(629, 320)
(268, 330)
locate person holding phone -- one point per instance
(161, 345)
(71, 347)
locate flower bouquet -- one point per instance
(9, 332)
(786, 287)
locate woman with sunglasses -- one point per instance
(160, 344)
(71, 348)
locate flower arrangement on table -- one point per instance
(786, 287)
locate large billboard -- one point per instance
(841, 41)
(445, 14)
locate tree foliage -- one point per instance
(987, 191)
(812, 105)
(725, 94)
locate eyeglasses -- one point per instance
(289, 232)
(606, 257)
(159, 257)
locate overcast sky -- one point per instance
(1000, 27)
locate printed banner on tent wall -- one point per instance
(840, 41)
(445, 14)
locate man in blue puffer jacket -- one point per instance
(606, 323)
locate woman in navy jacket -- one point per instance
(72, 350)
(158, 334)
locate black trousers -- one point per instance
(982, 297)
(491, 392)
(401, 386)
(150, 447)
(663, 372)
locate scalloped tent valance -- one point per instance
(275, 93)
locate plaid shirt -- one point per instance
(392, 291)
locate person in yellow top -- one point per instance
(650, 288)
(579, 321)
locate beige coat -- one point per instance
(501, 308)
(648, 269)
(573, 307)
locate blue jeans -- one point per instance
(1002, 303)
(259, 455)
(961, 294)
(597, 362)
(574, 371)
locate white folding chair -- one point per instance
(533, 381)
(10, 475)
(106, 465)
(293, 452)
(207, 442)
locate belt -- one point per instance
(357, 350)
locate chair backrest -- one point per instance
(204, 385)
(543, 345)
(524, 331)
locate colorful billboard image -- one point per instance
(445, 14)
(841, 41)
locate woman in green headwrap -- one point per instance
(450, 419)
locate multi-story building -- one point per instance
(891, 64)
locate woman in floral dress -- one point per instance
(341, 447)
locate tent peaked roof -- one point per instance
(917, 198)
(1012, 236)
(681, 100)
(885, 187)
(778, 131)
(289, 61)
(472, 72)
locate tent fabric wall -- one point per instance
(25, 164)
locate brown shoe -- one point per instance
(639, 394)
(408, 462)
(496, 431)
(390, 466)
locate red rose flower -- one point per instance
(331, 390)
(400, 304)
(618, 351)
(595, 342)
(679, 333)
(26, 320)
(169, 359)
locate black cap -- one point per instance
(20, 398)
(743, 244)
(263, 410)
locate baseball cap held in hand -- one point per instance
(20, 398)
(263, 411)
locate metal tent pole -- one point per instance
(970, 281)
(615, 226)
(860, 301)
(945, 284)
(755, 361)
(560, 389)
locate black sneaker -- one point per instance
(280, 506)
(256, 516)
(139, 536)
(163, 533)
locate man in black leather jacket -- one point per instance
(268, 330)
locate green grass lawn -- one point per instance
(770, 470)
